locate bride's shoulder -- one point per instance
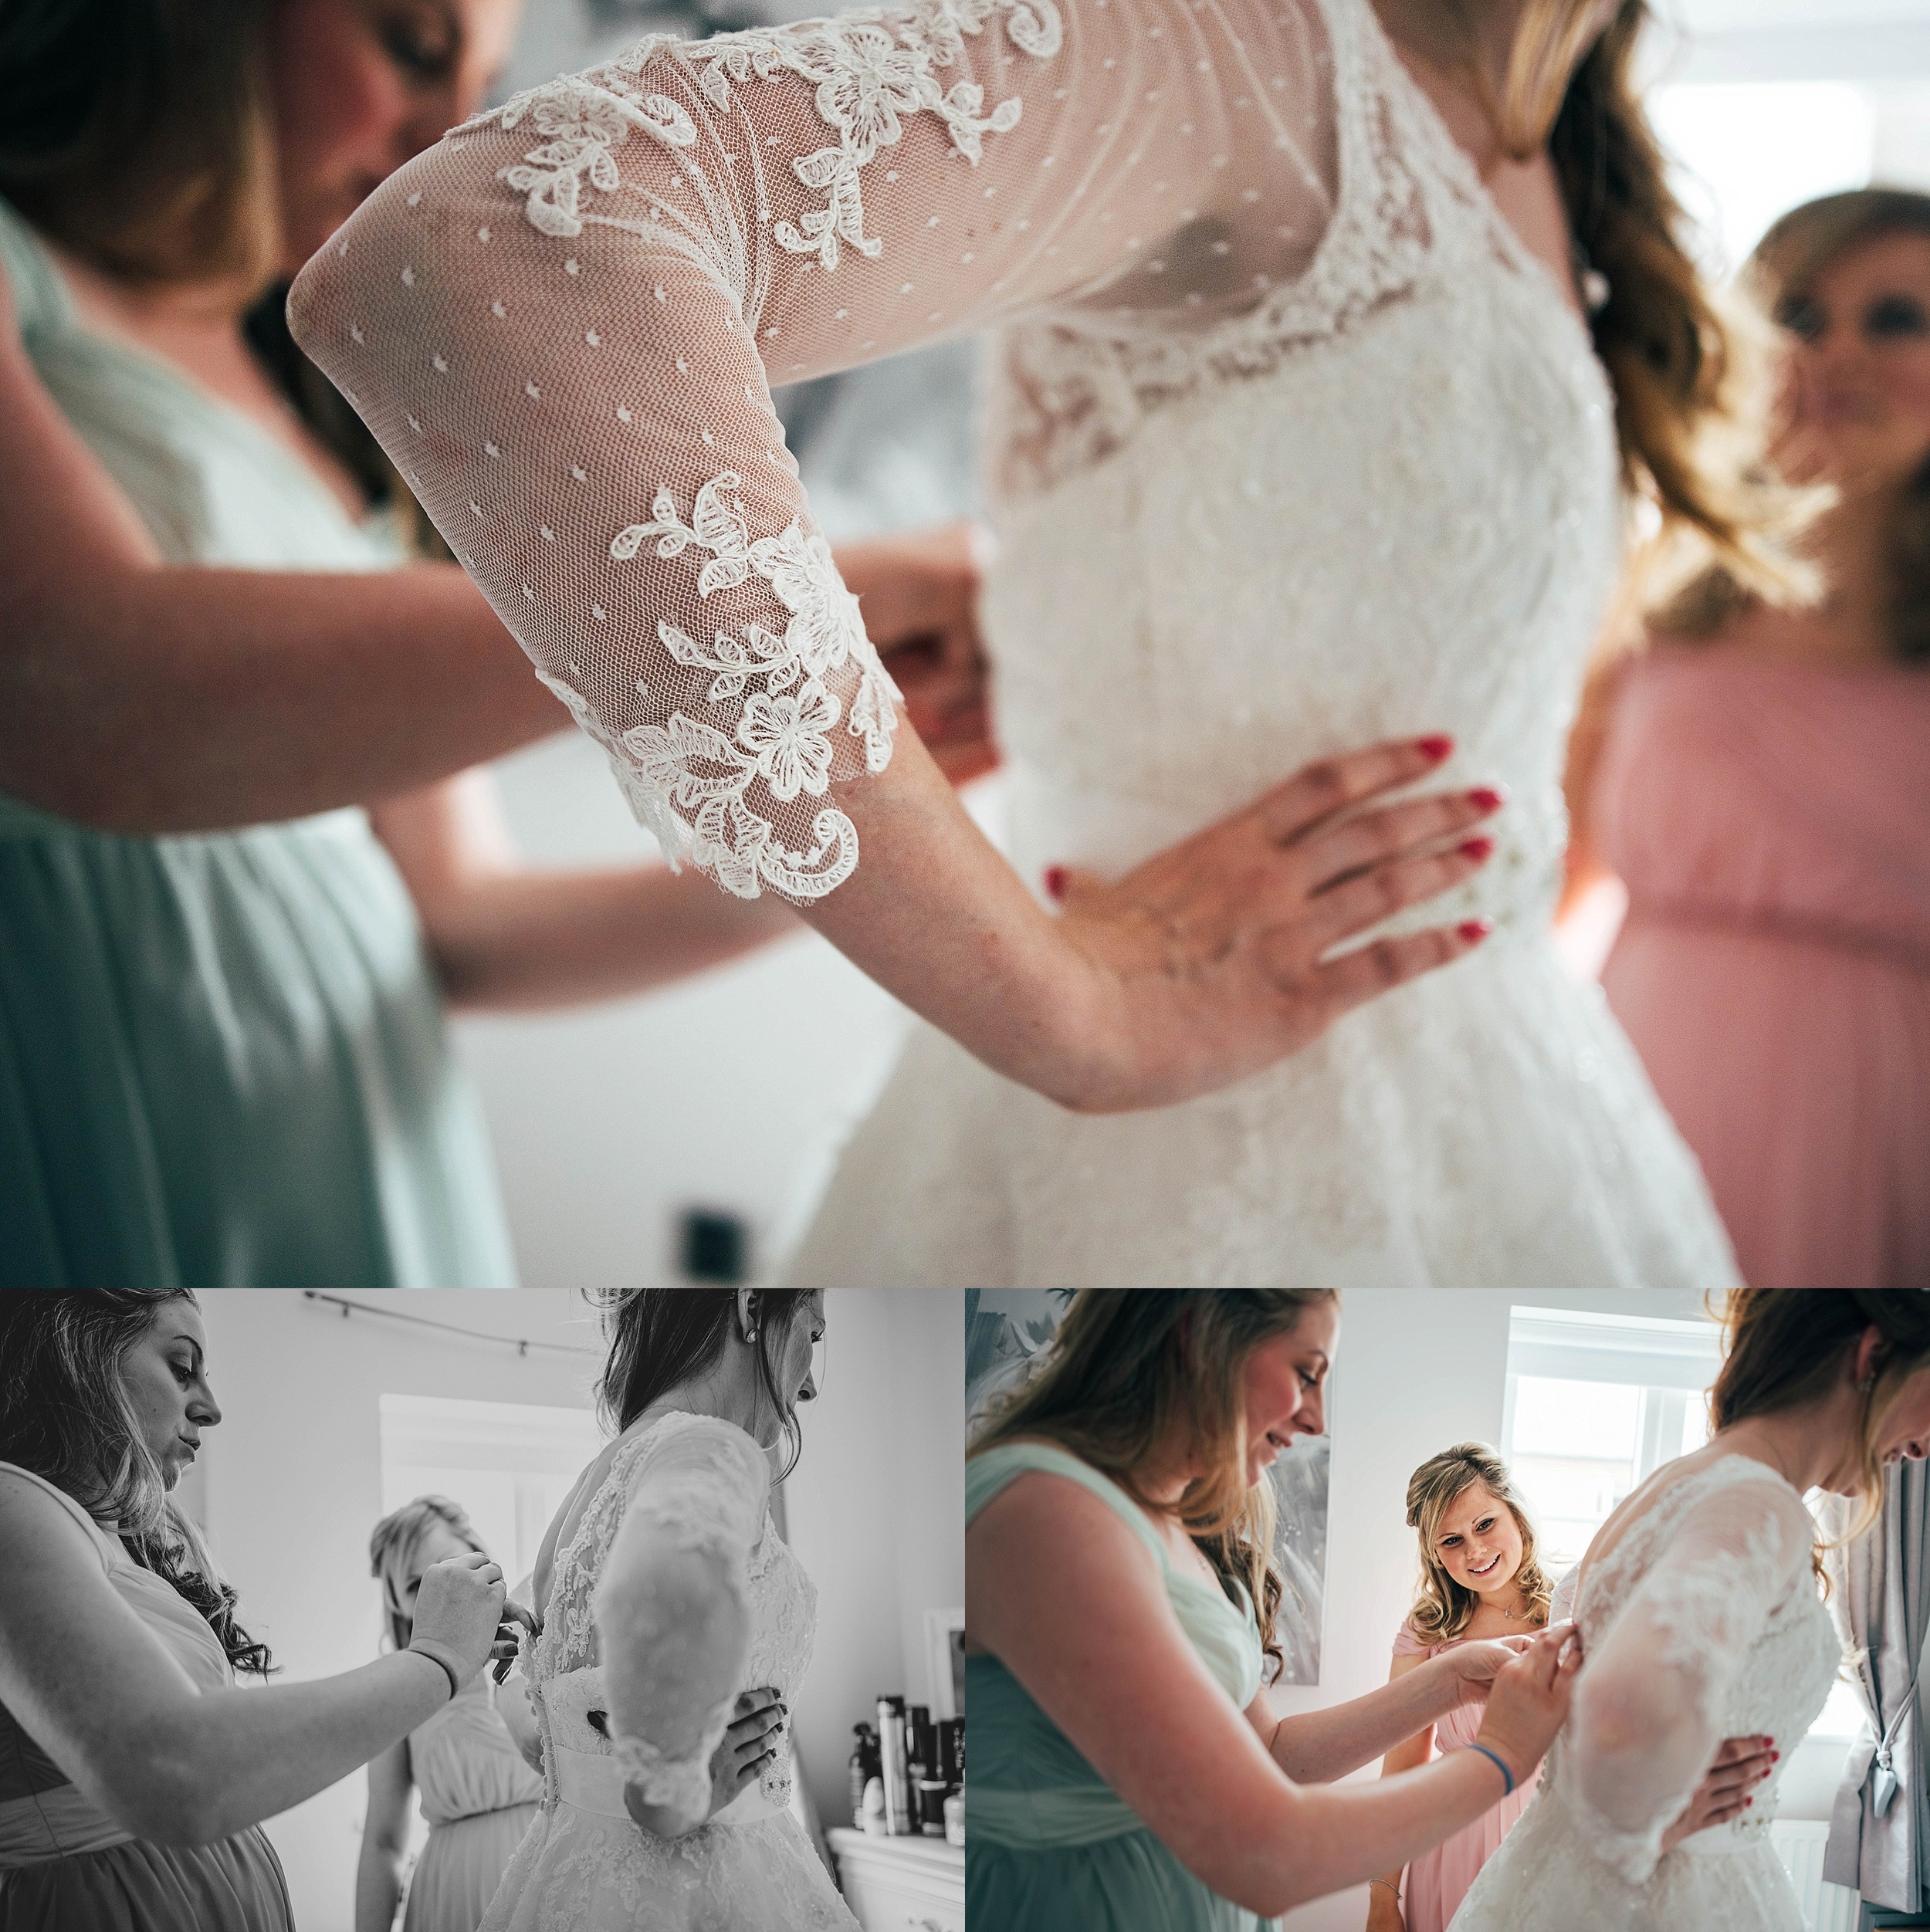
(1715, 1487)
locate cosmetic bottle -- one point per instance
(900, 1820)
(955, 1818)
(871, 1818)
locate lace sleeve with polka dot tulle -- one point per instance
(564, 321)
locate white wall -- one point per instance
(293, 1483)
(877, 1514)
(1418, 1370)
(290, 1485)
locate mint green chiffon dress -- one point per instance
(223, 1060)
(1049, 1845)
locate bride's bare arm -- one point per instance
(162, 1757)
(1071, 1601)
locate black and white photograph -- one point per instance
(335, 1612)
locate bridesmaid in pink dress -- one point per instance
(1762, 787)
(1480, 1577)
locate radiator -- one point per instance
(1799, 1843)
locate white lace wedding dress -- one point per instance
(1707, 1603)
(585, 1865)
(1294, 448)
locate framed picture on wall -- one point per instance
(1007, 1330)
(945, 1661)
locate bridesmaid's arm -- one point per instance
(1316, 1747)
(385, 1835)
(163, 1757)
(1070, 1601)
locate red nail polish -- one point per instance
(1472, 930)
(1055, 882)
(1436, 747)
(1486, 798)
(1476, 848)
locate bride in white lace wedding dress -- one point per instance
(1295, 447)
(630, 1698)
(1701, 1618)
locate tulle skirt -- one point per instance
(461, 1867)
(235, 1886)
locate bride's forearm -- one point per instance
(1316, 1747)
(935, 916)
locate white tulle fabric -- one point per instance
(1705, 1607)
(563, 320)
(750, 1869)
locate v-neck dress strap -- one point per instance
(1048, 1842)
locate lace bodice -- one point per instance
(1701, 1621)
(707, 1482)
(1710, 1591)
(563, 321)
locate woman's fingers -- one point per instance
(1370, 897)
(1314, 793)
(1333, 853)
(1345, 983)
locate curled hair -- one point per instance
(65, 1415)
(1787, 1347)
(1133, 1371)
(1444, 1608)
(1688, 367)
(1781, 275)
(659, 1337)
(394, 1541)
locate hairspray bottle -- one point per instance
(900, 1820)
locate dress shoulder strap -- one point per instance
(41, 303)
(994, 1470)
(104, 1545)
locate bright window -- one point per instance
(510, 1464)
(1595, 1404)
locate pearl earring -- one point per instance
(751, 1335)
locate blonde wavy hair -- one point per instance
(1131, 1370)
(1444, 1608)
(392, 1547)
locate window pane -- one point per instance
(1592, 1419)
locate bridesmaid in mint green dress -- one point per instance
(1066, 1595)
(1030, 1792)
(222, 1056)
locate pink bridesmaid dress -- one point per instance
(1771, 820)
(1437, 1880)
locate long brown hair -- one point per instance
(1444, 1608)
(65, 1414)
(140, 135)
(1781, 275)
(661, 1337)
(1129, 1371)
(1788, 1346)
(1688, 367)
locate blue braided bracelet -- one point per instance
(1494, 1759)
